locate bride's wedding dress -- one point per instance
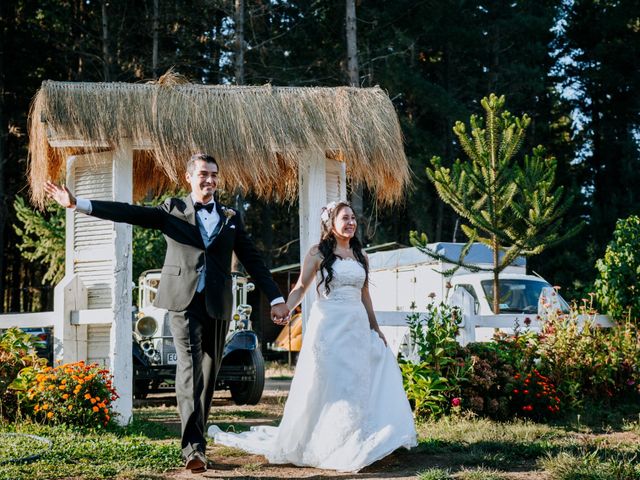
(346, 406)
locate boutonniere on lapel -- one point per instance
(228, 213)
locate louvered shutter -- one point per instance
(92, 237)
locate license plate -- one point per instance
(172, 358)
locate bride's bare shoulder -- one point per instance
(314, 252)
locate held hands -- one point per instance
(61, 195)
(280, 314)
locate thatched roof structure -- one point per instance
(256, 133)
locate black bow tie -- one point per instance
(208, 207)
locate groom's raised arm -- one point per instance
(147, 217)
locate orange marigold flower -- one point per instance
(87, 396)
(65, 396)
(50, 415)
(95, 409)
(92, 400)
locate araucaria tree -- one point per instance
(506, 203)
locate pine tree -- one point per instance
(511, 206)
(42, 237)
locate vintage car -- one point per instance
(154, 353)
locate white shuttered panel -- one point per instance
(92, 237)
(99, 348)
(336, 181)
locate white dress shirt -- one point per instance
(208, 220)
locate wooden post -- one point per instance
(463, 299)
(120, 356)
(98, 252)
(69, 341)
(320, 181)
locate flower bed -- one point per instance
(527, 374)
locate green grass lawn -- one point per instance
(143, 450)
(603, 445)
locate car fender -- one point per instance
(240, 340)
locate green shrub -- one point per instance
(617, 288)
(433, 381)
(589, 362)
(17, 351)
(505, 382)
(487, 393)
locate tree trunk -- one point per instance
(239, 74)
(156, 29)
(496, 279)
(357, 192)
(267, 235)
(16, 284)
(3, 142)
(239, 53)
(352, 45)
(106, 55)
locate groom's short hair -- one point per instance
(191, 163)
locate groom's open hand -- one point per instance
(280, 314)
(61, 195)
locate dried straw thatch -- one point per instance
(257, 134)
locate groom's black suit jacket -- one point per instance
(187, 253)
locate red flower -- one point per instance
(455, 402)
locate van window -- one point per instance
(518, 295)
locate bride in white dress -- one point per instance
(346, 406)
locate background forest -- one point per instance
(571, 65)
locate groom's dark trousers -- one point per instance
(199, 319)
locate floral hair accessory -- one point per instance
(325, 216)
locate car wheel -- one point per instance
(249, 393)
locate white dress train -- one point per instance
(346, 406)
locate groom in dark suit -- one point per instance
(195, 285)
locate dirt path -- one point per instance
(230, 463)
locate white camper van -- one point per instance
(406, 278)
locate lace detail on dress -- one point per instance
(346, 285)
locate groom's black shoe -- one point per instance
(196, 462)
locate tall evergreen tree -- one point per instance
(510, 206)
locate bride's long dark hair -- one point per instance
(328, 243)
